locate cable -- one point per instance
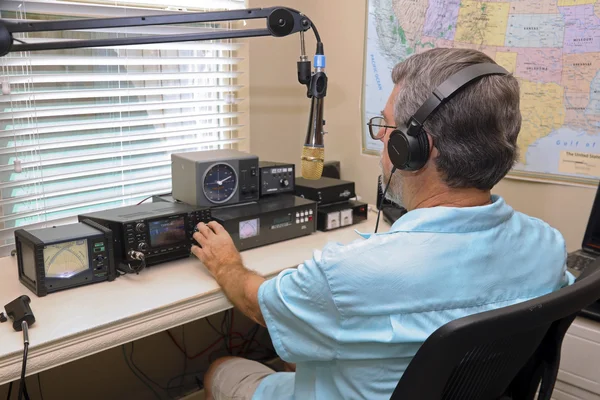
(383, 197)
(140, 371)
(149, 197)
(9, 391)
(184, 356)
(40, 386)
(231, 330)
(199, 354)
(133, 255)
(22, 388)
(224, 324)
(254, 331)
(23, 367)
(213, 327)
(194, 374)
(136, 374)
(317, 36)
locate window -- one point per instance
(95, 128)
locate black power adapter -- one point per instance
(19, 310)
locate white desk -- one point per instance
(76, 323)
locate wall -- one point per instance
(279, 113)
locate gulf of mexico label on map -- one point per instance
(575, 162)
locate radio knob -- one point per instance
(140, 227)
(142, 246)
(284, 182)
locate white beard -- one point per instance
(394, 192)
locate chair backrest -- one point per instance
(479, 357)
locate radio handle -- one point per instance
(108, 235)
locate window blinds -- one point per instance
(90, 129)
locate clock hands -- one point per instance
(221, 182)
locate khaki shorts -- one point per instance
(238, 378)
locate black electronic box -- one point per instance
(335, 216)
(64, 256)
(270, 220)
(160, 231)
(276, 178)
(390, 210)
(325, 190)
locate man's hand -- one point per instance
(221, 258)
(218, 250)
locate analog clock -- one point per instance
(220, 183)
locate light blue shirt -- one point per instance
(353, 316)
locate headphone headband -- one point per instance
(449, 88)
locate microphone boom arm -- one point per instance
(281, 21)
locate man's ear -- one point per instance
(433, 151)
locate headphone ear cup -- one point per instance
(423, 151)
(417, 151)
(407, 152)
(398, 149)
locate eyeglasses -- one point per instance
(375, 124)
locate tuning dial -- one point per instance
(142, 246)
(140, 227)
(284, 182)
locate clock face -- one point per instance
(220, 183)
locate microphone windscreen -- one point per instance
(312, 162)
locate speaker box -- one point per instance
(331, 169)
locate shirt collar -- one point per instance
(451, 219)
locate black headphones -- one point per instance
(408, 147)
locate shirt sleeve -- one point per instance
(300, 313)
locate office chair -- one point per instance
(503, 354)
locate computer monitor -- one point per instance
(591, 239)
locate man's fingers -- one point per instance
(204, 229)
(197, 251)
(216, 227)
(200, 238)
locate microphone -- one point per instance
(313, 153)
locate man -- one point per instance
(353, 316)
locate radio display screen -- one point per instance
(249, 228)
(165, 232)
(282, 220)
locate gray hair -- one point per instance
(476, 131)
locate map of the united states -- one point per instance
(551, 46)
